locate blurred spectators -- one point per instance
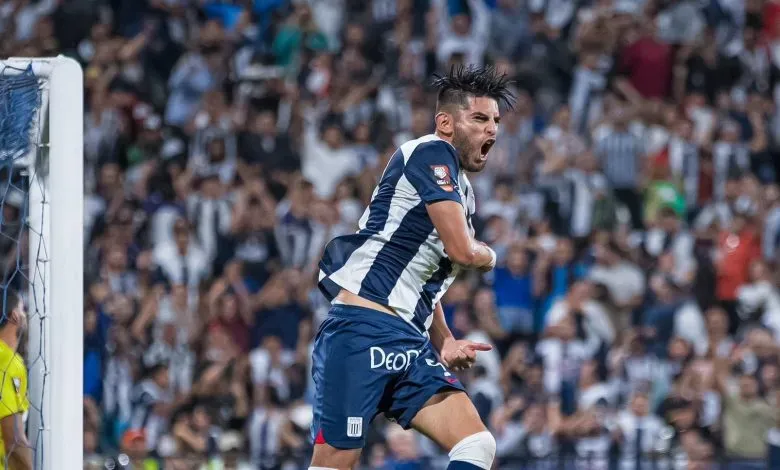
(632, 198)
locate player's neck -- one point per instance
(9, 337)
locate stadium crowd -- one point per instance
(632, 198)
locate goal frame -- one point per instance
(56, 201)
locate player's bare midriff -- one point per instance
(348, 298)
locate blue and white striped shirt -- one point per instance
(621, 156)
(396, 258)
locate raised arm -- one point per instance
(480, 18)
(439, 9)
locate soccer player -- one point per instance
(15, 449)
(385, 346)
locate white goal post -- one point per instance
(56, 200)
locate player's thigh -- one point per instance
(327, 456)
(431, 399)
(447, 418)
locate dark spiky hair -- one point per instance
(464, 81)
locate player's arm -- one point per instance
(18, 449)
(439, 331)
(450, 221)
(432, 169)
(454, 353)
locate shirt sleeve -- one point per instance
(433, 171)
(14, 390)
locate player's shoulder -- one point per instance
(427, 147)
(6, 352)
(10, 361)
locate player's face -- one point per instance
(475, 132)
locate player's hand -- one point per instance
(488, 267)
(461, 354)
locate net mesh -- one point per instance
(23, 260)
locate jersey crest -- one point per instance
(443, 179)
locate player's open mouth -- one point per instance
(486, 147)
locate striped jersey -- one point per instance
(396, 258)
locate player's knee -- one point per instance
(477, 449)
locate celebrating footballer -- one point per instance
(385, 346)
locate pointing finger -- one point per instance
(479, 347)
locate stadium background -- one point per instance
(632, 198)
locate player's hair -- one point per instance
(11, 301)
(463, 82)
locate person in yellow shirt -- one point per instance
(15, 450)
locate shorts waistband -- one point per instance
(355, 312)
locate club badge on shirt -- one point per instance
(442, 175)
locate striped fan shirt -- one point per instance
(396, 258)
(621, 158)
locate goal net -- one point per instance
(41, 260)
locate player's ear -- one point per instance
(16, 316)
(445, 124)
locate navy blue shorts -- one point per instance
(367, 362)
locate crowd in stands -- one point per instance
(632, 198)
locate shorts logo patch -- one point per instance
(442, 175)
(354, 427)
